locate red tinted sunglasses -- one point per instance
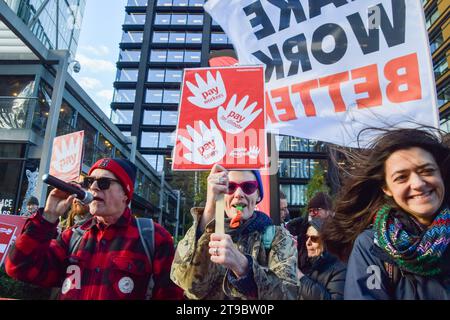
(249, 187)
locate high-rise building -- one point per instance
(161, 37)
(437, 14)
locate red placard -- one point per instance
(221, 119)
(7, 232)
(8, 222)
(67, 155)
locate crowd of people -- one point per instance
(385, 235)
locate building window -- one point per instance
(171, 96)
(177, 37)
(132, 36)
(431, 17)
(149, 139)
(441, 67)
(134, 18)
(89, 140)
(445, 124)
(166, 140)
(158, 56)
(219, 38)
(162, 19)
(151, 159)
(137, 3)
(436, 42)
(443, 95)
(127, 75)
(160, 37)
(169, 118)
(180, 3)
(164, 3)
(192, 56)
(196, 3)
(195, 20)
(120, 116)
(173, 75)
(193, 37)
(153, 96)
(152, 117)
(155, 75)
(129, 55)
(175, 56)
(179, 19)
(124, 95)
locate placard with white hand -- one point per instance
(209, 94)
(204, 147)
(236, 117)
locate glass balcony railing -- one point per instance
(23, 113)
(16, 113)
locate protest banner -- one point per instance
(335, 67)
(221, 119)
(67, 155)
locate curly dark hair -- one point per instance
(363, 177)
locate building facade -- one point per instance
(56, 23)
(29, 92)
(437, 13)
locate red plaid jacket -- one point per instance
(109, 263)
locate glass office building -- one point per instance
(56, 23)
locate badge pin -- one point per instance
(126, 285)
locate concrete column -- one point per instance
(52, 122)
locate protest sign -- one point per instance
(67, 156)
(335, 67)
(221, 119)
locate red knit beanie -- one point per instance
(124, 170)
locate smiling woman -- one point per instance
(394, 211)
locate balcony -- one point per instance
(23, 114)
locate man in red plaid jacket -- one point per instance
(110, 261)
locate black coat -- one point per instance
(368, 278)
(324, 281)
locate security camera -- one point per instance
(76, 67)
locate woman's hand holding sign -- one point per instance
(206, 147)
(210, 94)
(236, 117)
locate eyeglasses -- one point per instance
(103, 183)
(314, 239)
(249, 187)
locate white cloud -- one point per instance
(101, 50)
(95, 65)
(89, 83)
(105, 94)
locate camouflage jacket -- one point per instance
(274, 269)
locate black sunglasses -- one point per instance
(103, 183)
(314, 239)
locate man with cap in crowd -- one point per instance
(109, 261)
(253, 259)
(32, 207)
(320, 206)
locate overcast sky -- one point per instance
(98, 49)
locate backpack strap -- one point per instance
(147, 235)
(75, 239)
(267, 237)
